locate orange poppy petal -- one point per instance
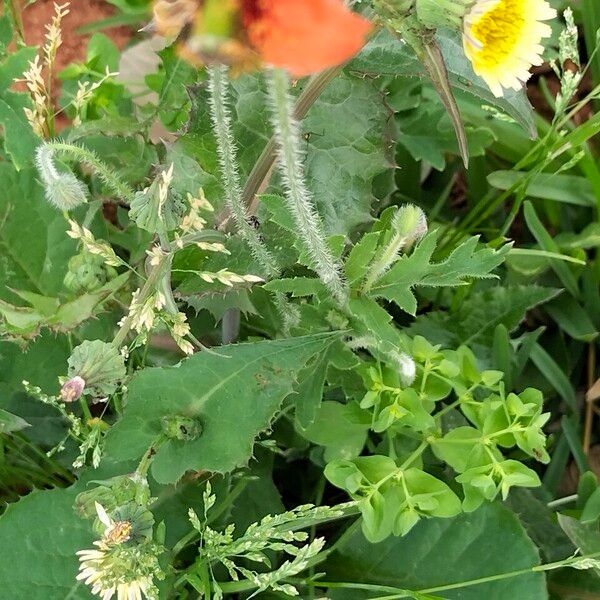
(304, 36)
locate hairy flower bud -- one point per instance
(63, 189)
(411, 224)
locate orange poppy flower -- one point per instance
(303, 36)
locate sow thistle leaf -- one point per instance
(233, 397)
(386, 55)
(341, 162)
(470, 259)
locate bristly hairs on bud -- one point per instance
(409, 225)
(63, 189)
(49, 149)
(226, 150)
(299, 201)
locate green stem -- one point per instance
(383, 263)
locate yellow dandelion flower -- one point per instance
(502, 39)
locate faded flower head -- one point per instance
(119, 566)
(72, 389)
(502, 39)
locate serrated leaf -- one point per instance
(440, 552)
(218, 304)
(470, 259)
(233, 396)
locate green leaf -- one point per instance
(569, 189)
(427, 134)
(174, 100)
(585, 536)
(233, 396)
(555, 376)
(10, 422)
(34, 245)
(341, 428)
(19, 140)
(547, 243)
(40, 535)
(297, 287)
(341, 162)
(477, 317)
(466, 261)
(570, 316)
(385, 54)
(440, 552)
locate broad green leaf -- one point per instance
(34, 245)
(39, 536)
(341, 162)
(234, 396)
(428, 135)
(441, 552)
(387, 55)
(19, 140)
(340, 428)
(540, 523)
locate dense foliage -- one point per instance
(328, 337)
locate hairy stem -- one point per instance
(299, 201)
(226, 150)
(263, 166)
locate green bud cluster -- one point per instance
(87, 272)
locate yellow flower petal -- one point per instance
(502, 39)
